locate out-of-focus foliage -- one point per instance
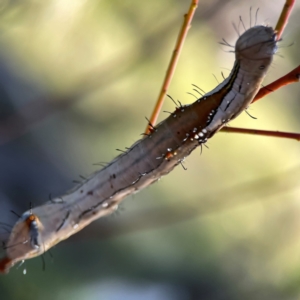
(77, 78)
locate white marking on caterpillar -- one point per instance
(142, 164)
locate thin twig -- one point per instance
(284, 17)
(173, 62)
(289, 78)
(278, 134)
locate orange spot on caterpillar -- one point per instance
(31, 219)
(170, 154)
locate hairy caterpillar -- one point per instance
(148, 159)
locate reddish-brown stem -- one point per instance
(284, 17)
(173, 62)
(286, 135)
(291, 77)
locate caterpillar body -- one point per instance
(148, 159)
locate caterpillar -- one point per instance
(150, 158)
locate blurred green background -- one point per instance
(77, 78)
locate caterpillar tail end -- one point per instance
(5, 264)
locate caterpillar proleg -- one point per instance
(148, 159)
